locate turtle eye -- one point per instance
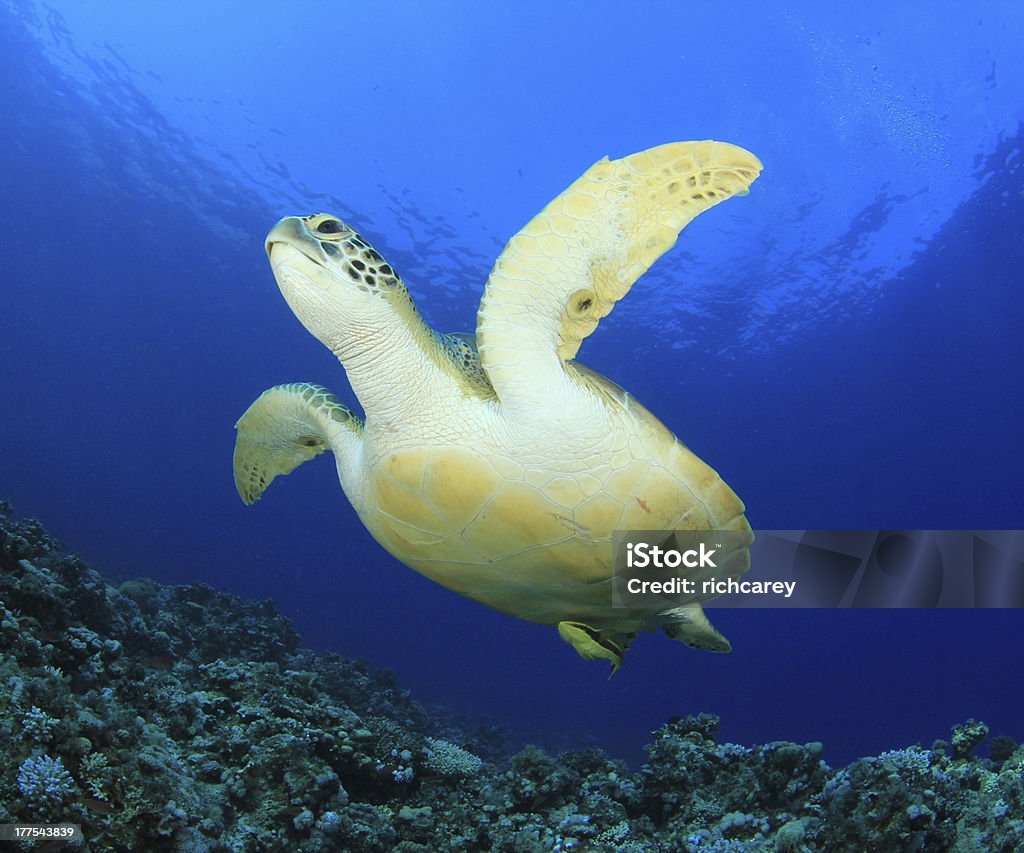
(330, 226)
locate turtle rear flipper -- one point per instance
(592, 644)
(286, 426)
(690, 625)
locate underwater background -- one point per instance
(844, 345)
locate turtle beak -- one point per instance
(292, 231)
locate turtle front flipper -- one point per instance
(287, 425)
(592, 644)
(574, 260)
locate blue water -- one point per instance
(844, 345)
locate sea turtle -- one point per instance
(498, 466)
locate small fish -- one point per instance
(158, 662)
(98, 806)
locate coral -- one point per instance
(1001, 748)
(37, 725)
(450, 760)
(93, 771)
(403, 773)
(45, 783)
(967, 736)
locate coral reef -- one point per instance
(184, 719)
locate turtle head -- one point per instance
(338, 286)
